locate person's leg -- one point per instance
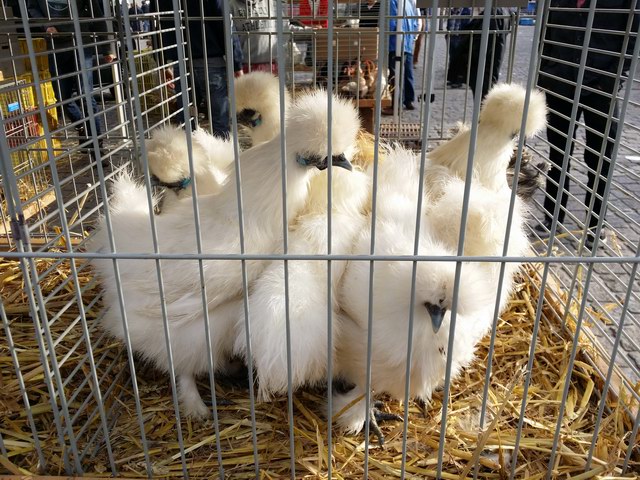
(68, 73)
(199, 97)
(219, 98)
(391, 81)
(178, 118)
(409, 89)
(53, 71)
(417, 48)
(598, 177)
(88, 67)
(557, 132)
(392, 72)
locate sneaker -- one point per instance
(591, 238)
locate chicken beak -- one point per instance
(341, 161)
(437, 316)
(336, 160)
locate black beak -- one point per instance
(437, 315)
(337, 161)
(341, 161)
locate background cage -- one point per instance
(563, 393)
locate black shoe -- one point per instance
(409, 106)
(591, 238)
(83, 139)
(103, 154)
(543, 229)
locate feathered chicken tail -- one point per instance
(219, 151)
(128, 212)
(129, 195)
(504, 108)
(500, 121)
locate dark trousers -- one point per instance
(62, 64)
(213, 71)
(557, 130)
(408, 90)
(218, 98)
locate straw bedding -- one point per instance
(466, 444)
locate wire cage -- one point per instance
(115, 90)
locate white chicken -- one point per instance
(168, 156)
(490, 194)
(306, 153)
(257, 97)
(257, 102)
(308, 291)
(395, 230)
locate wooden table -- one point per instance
(366, 107)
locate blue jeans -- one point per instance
(408, 90)
(66, 63)
(218, 94)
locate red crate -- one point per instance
(20, 130)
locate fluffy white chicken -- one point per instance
(395, 230)
(306, 154)
(168, 156)
(308, 291)
(258, 105)
(490, 194)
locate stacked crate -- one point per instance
(19, 125)
(21, 121)
(46, 86)
(27, 148)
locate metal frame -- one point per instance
(130, 118)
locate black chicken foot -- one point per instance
(377, 416)
(220, 402)
(422, 405)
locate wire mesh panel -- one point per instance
(214, 268)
